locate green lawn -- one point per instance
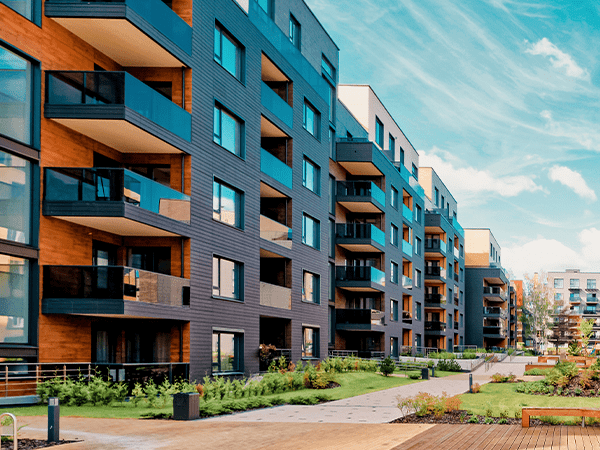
(502, 396)
(352, 384)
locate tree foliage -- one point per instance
(538, 299)
(585, 331)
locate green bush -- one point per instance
(469, 354)
(96, 390)
(537, 372)
(567, 368)
(534, 387)
(302, 400)
(441, 355)
(448, 365)
(387, 366)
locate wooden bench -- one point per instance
(573, 412)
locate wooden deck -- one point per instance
(504, 437)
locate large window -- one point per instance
(311, 176)
(311, 286)
(558, 296)
(227, 278)
(379, 132)
(14, 307)
(559, 283)
(227, 204)
(310, 342)
(332, 195)
(394, 310)
(26, 8)
(229, 53)
(392, 144)
(267, 6)
(394, 198)
(332, 143)
(311, 232)
(394, 235)
(418, 278)
(394, 272)
(418, 250)
(418, 312)
(418, 214)
(415, 172)
(227, 351)
(16, 89)
(295, 35)
(591, 282)
(394, 347)
(574, 283)
(311, 120)
(228, 131)
(328, 73)
(15, 197)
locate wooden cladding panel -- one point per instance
(65, 338)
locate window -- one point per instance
(16, 95)
(462, 318)
(332, 195)
(436, 197)
(311, 120)
(332, 143)
(294, 32)
(379, 132)
(27, 8)
(311, 232)
(394, 272)
(418, 250)
(591, 283)
(311, 285)
(327, 69)
(15, 199)
(394, 310)
(417, 278)
(394, 347)
(267, 6)
(331, 311)
(558, 283)
(311, 176)
(558, 296)
(418, 214)
(14, 308)
(228, 52)
(415, 172)
(152, 259)
(418, 312)
(227, 351)
(392, 144)
(331, 238)
(228, 131)
(401, 156)
(328, 73)
(394, 235)
(443, 201)
(310, 342)
(227, 278)
(227, 204)
(394, 198)
(332, 281)
(574, 283)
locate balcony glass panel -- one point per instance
(275, 168)
(406, 281)
(360, 273)
(457, 227)
(435, 271)
(117, 185)
(117, 88)
(276, 104)
(361, 189)
(407, 248)
(275, 296)
(359, 316)
(359, 231)
(407, 213)
(113, 283)
(276, 232)
(435, 326)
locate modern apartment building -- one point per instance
(444, 265)
(488, 301)
(576, 296)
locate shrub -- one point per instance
(534, 387)
(414, 375)
(441, 355)
(518, 414)
(387, 366)
(488, 421)
(567, 368)
(448, 365)
(504, 414)
(499, 378)
(302, 400)
(473, 419)
(536, 372)
(426, 404)
(502, 421)
(469, 354)
(476, 388)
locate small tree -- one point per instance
(387, 366)
(538, 299)
(585, 331)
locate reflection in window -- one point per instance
(310, 342)
(266, 6)
(558, 283)
(226, 278)
(311, 232)
(227, 131)
(226, 352)
(311, 174)
(14, 299)
(15, 95)
(311, 120)
(228, 53)
(15, 197)
(311, 285)
(227, 204)
(295, 32)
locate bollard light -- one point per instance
(53, 419)
(470, 383)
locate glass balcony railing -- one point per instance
(275, 296)
(116, 185)
(114, 283)
(276, 105)
(590, 310)
(117, 88)
(494, 311)
(574, 298)
(359, 231)
(407, 248)
(361, 189)
(360, 273)
(591, 299)
(433, 325)
(435, 245)
(438, 299)
(495, 292)
(276, 232)
(407, 282)
(275, 168)
(456, 252)
(435, 271)
(457, 227)
(359, 316)
(407, 213)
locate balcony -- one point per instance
(435, 300)
(275, 104)
(359, 320)
(117, 201)
(134, 33)
(360, 237)
(493, 311)
(114, 290)
(591, 299)
(359, 279)
(407, 213)
(590, 311)
(456, 252)
(435, 273)
(407, 248)
(407, 282)
(494, 294)
(118, 110)
(276, 232)
(407, 317)
(456, 300)
(360, 196)
(435, 327)
(360, 157)
(275, 296)
(456, 325)
(574, 299)
(455, 277)
(494, 332)
(275, 168)
(435, 246)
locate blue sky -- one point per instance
(502, 98)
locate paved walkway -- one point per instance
(376, 407)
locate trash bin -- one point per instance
(186, 406)
(425, 373)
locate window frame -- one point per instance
(315, 344)
(271, 5)
(418, 278)
(394, 269)
(240, 52)
(240, 279)
(418, 214)
(394, 306)
(559, 283)
(36, 12)
(316, 288)
(239, 194)
(394, 242)
(238, 336)
(306, 161)
(295, 32)
(591, 285)
(418, 246)
(218, 138)
(317, 238)
(394, 198)
(379, 132)
(418, 314)
(415, 172)
(316, 131)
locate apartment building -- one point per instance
(576, 297)
(487, 291)
(444, 265)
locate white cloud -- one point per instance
(572, 180)
(558, 58)
(470, 180)
(582, 132)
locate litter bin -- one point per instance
(186, 406)
(425, 373)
